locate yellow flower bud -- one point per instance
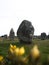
(35, 52)
(16, 51)
(13, 46)
(11, 51)
(1, 58)
(21, 51)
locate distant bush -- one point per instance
(5, 36)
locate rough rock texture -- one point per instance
(25, 31)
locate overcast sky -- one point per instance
(13, 12)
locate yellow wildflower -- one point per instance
(35, 52)
(1, 58)
(17, 51)
(21, 51)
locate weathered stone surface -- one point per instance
(25, 31)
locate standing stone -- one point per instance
(25, 31)
(11, 34)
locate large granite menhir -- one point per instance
(25, 31)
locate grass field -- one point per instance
(42, 44)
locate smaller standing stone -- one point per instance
(12, 34)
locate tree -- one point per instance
(12, 34)
(43, 36)
(5, 36)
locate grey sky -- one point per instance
(13, 12)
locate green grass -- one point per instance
(42, 44)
